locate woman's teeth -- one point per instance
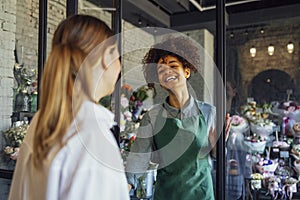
(170, 78)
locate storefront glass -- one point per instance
(262, 70)
(262, 74)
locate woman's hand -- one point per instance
(213, 135)
(129, 187)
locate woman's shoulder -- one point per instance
(91, 113)
(204, 106)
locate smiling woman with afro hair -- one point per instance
(179, 133)
(185, 49)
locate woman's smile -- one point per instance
(170, 79)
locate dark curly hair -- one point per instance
(181, 47)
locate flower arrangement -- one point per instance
(238, 124)
(256, 113)
(256, 179)
(289, 106)
(289, 112)
(256, 143)
(259, 118)
(14, 138)
(25, 94)
(289, 109)
(289, 187)
(295, 151)
(26, 77)
(131, 114)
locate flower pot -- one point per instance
(255, 184)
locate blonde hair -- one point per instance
(73, 40)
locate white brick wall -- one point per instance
(7, 43)
(7, 61)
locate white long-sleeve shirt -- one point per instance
(89, 166)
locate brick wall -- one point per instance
(56, 13)
(7, 44)
(242, 68)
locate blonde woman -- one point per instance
(69, 151)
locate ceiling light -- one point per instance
(290, 47)
(140, 21)
(271, 49)
(252, 51)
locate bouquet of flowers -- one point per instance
(238, 124)
(258, 117)
(25, 76)
(289, 187)
(295, 151)
(288, 109)
(256, 179)
(274, 186)
(256, 143)
(262, 127)
(14, 138)
(131, 114)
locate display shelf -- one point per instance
(262, 194)
(20, 116)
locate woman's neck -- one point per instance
(177, 100)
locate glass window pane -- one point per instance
(18, 65)
(56, 13)
(262, 70)
(99, 9)
(151, 29)
(19, 50)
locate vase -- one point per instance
(141, 188)
(33, 102)
(145, 183)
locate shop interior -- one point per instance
(252, 46)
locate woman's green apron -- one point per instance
(189, 176)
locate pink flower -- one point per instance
(236, 120)
(291, 109)
(15, 155)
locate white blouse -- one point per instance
(89, 166)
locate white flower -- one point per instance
(9, 150)
(137, 125)
(127, 115)
(124, 101)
